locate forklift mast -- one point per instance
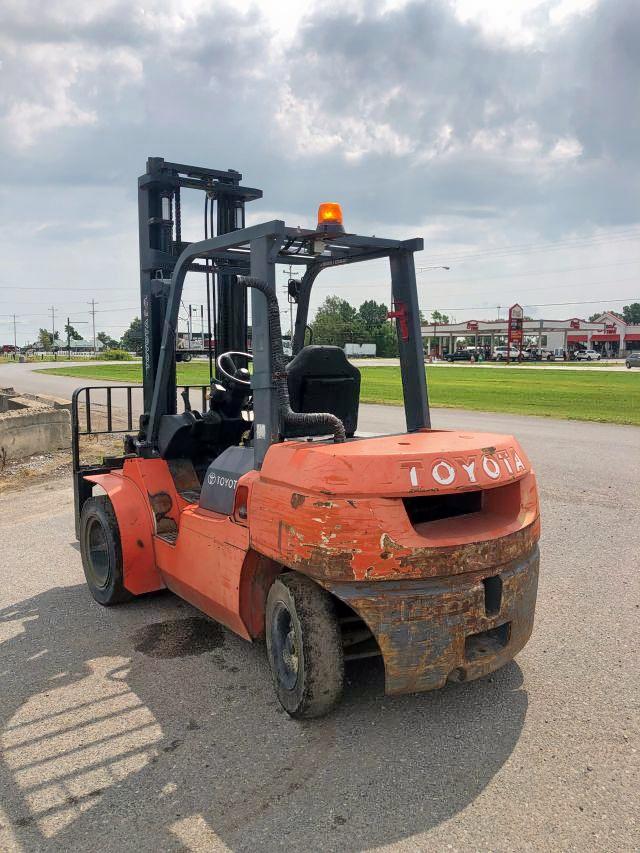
(160, 233)
(237, 257)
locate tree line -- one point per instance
(336, 323)
(131, 341)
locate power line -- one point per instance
(543, 304)
(524, 248)
(532, 272)
(48, 287)
(135, 308)
(487, 281)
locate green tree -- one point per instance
(437, 317)
(70, 332)
(594, 318)
(631, 313)
(132, 338)
(46, 341)
(336, 323)
(386, 340)
(107, 341)
(372, 314)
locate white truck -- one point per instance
(360, 350)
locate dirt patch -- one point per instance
(40, 467)
(179, 638)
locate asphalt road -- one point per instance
(146, 728)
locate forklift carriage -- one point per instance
(264, 508)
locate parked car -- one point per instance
(557, 354)
(461, 355)
(500, 353)
(587, 355)
(632, 360)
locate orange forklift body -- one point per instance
(256, 500)
(430, 537)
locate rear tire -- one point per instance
(304, 646)
(102, 552)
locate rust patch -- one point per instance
(489, 450)
(297, 500)
(388, 546)
(458, 559)
(328, 504)
(327, 563)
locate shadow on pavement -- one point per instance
(148, 726)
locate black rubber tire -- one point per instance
(101, 552)
(627, 365)
(313, 686)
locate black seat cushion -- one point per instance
(321, 379)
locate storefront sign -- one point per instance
(515, 334)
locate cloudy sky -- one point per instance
(505, 132)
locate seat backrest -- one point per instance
(321, 379)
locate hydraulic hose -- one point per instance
(288, 416)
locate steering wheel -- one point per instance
(230, 370)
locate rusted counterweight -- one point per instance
(436, 553)
(432, 631)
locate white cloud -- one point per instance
(476, 124)
(566, 148)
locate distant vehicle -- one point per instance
(360, 350)
(500, 353)
(535, 354)
(557, 354)
(587, 355)
(632, 360)
(8, 348)
(461, 355)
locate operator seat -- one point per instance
(321, 379)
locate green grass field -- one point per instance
(579, 395)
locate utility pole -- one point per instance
(93, 317)
(15, 339)
(53, 327)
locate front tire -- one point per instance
(102, 552)
(304, 646)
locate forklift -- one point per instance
(266, 509)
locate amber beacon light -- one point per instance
(330, 218)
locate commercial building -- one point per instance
(609, 334)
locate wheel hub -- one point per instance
(98, 554)
(285, 648)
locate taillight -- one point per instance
(240, 505)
